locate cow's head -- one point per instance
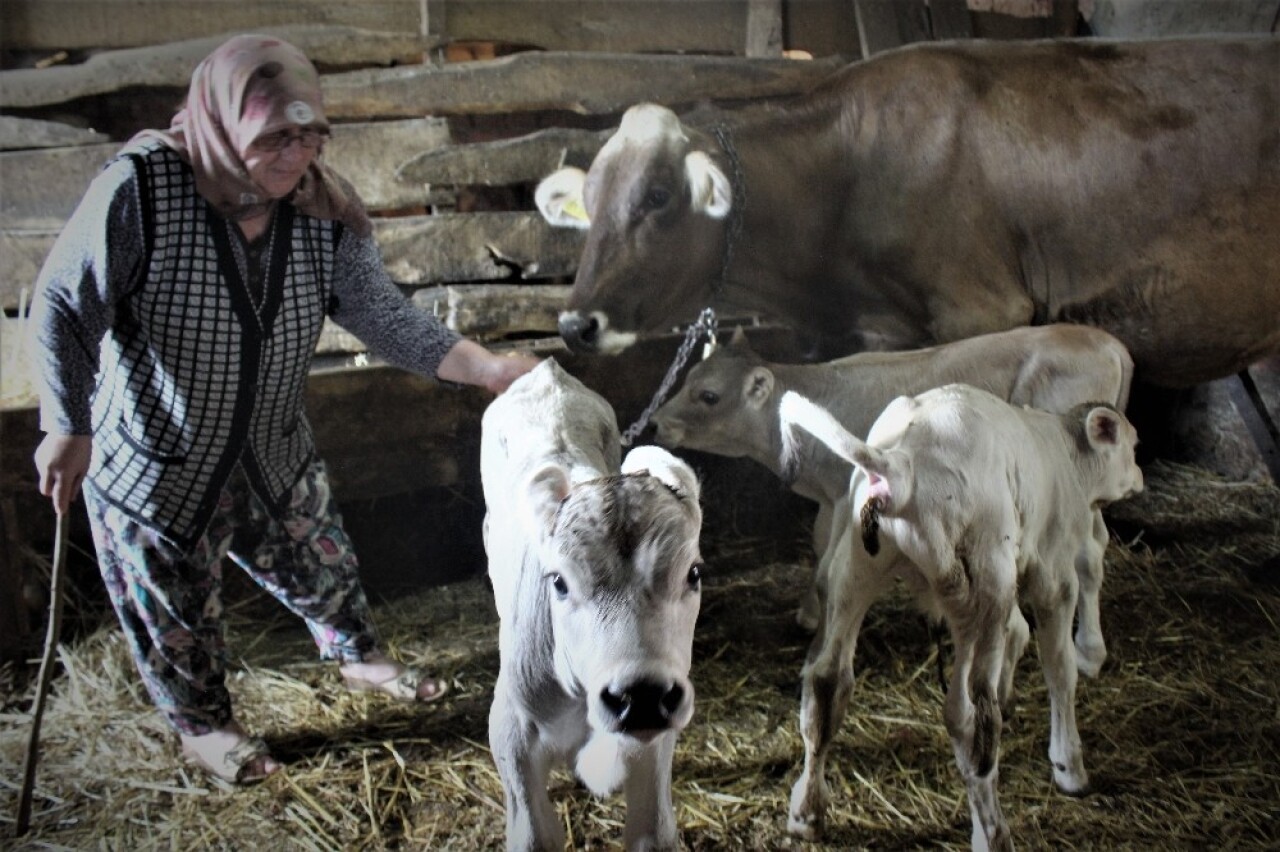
(724, 405)
(654, 205)
(623, 570)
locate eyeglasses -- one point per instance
(282, 139)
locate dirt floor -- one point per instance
(1181, 730)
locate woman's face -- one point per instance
(277, 161)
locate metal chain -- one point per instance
(704, 324)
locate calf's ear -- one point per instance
(544, 492)
(710, 191)
(559, 198)
(757, 387)
(1102, 425)
(668, 469)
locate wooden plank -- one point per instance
(42, 187)
(886, 24)
(764, 28)
(949, 19)
(507, 161)
(494, 311)
(23, 133)
(578, 82)
(90, 24)
(417, 250)
(458, 247)
(169, 64)
(715, 26)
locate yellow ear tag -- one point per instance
(573, 208)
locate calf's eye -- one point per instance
(561, 587)
(695, 575)
(708, 397)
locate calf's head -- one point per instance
(724, 406)
(654, 204)
(623, 574)
(1105, 444)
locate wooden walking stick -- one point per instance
(46, 671)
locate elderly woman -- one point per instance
(178, 315)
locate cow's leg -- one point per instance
(856, 579)
(972, 709)
(651, 818)
(827, 530)
(1017, 634)
(524, 767)
(1091, 649)
(1053, 637)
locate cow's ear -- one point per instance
(757, 387)
(559, 198)
(544, 492)
(671, 471)
(1102, 425)
(710, 190)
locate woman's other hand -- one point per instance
(63, 461)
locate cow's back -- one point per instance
(1132, 186)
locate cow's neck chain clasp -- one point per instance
(739, 187)
(704, 324)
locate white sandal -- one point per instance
(242, 763)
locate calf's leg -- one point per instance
(1057, 656)
(1091, 649)
(855, 581)
(524, 767)
(651, 818)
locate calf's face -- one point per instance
(623, 571)
(723, 407)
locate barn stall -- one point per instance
(445, 115)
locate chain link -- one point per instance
(704, 324)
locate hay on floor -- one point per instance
(1181, 730)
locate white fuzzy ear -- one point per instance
(673, 472)
(559, 198)
(712, 193)
(543, 494)
(757, 387)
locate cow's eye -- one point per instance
(561, 587)
(657, 197)
(695, 575)
(708, 397)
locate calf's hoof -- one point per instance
(807, 620)
(1073, 782)
(807, 813)
(1089, 659)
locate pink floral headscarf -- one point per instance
(251, 86)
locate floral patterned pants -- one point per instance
(169, 602)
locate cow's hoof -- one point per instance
(808, 621)
(1073, 782)
(1089, 659)
(806, 828)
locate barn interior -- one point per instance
(446, 114)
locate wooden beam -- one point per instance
(507, 161)
(460, 247)
(494, 311)
(886, 24)
(23, 133)
(578, 82)
(169, 64)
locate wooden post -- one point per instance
(764, 28)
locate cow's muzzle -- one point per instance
(580, 333)
(643, 707)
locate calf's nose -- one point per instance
(643, 705)
(580, 333)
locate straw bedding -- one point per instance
(1181, 730)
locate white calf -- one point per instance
(728, 405)
(597, 577)
(976, 504)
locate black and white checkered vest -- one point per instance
(194, 377)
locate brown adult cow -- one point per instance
(946, 190)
